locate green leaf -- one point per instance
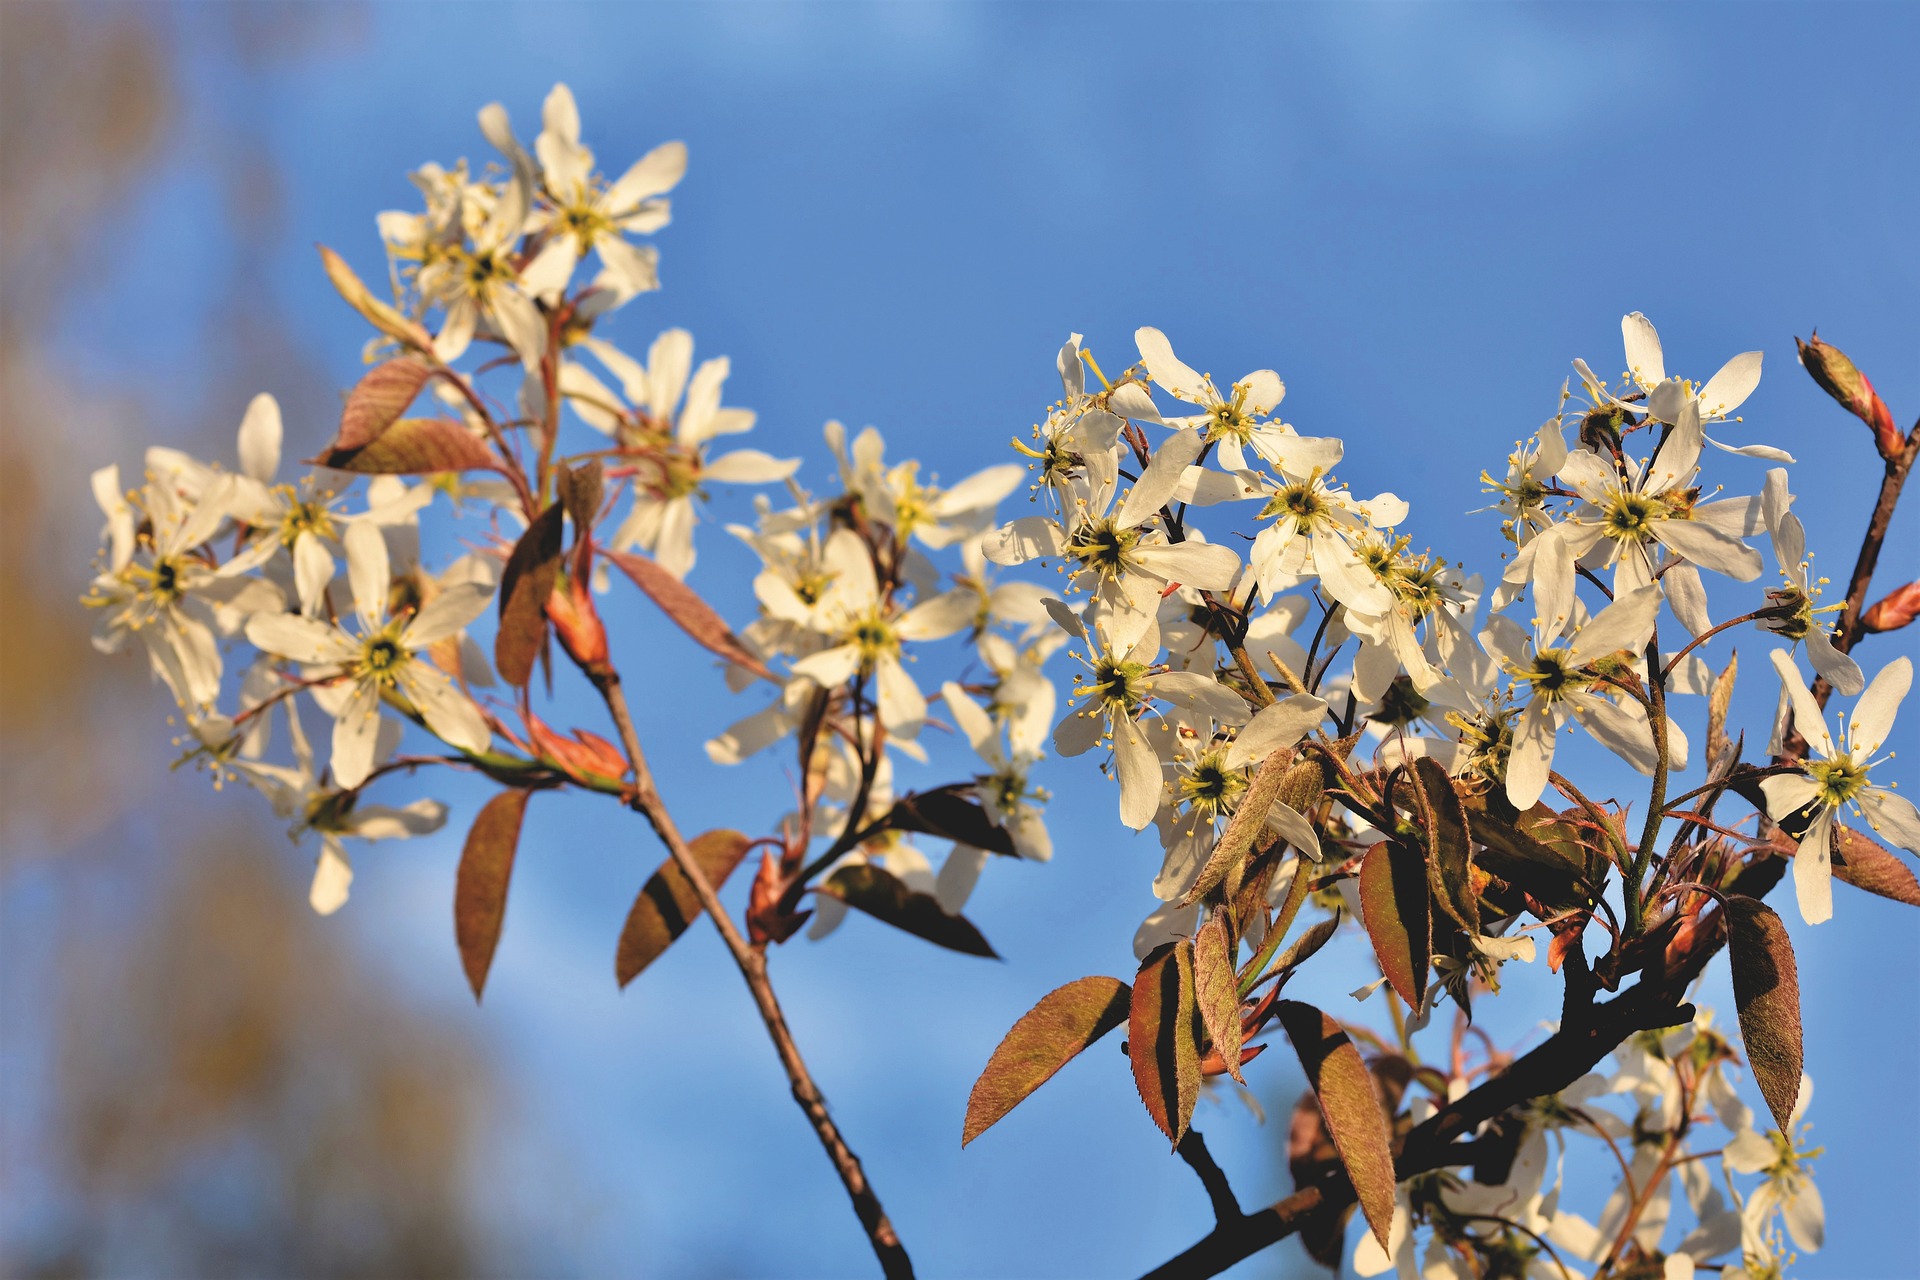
(1046, 1038)
(668, 906)
(1449, 843)
(1216, 991)
(944, 812)
(480, 885)
(1349, 1106)
(881, 895)
(1766, 991)
(1866, 864)
(1163, 1038)
(531, 571)
(1396, 909)
(689, 612)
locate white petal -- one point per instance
(1644, 359)
(450, 713)
(383, 822)
(1728, 389)
(1806, 1216)
(449, 611)
(356, 733)
(1028, 538)
(1201, 565)
(1294, 829)
(939, 617)
(1892, 817)
(1624, 624)
(1199, 693)
(1808, 719)
(1175, 377)
(331, 877)
(749, 466)
(902, 708)
(260, 433)
(1162, 476)
(1813, 869)
(1873, 714)
(830, 667)
(655, 173)
(306, 640)
(958, 874)
(1532, 756)
(1709, 548)
(1787, 792)
(979, 491)
(1276, 726)
(369, 571)
(1840, 670)
(1139, 771)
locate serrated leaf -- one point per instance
(1349, 1106)
(883, 896)
(580, 490)
(1547, 869)
(1449, 843)
(480, 885)
(1397, 911)
(1302, 948)
(944, 812)
(1866, 864)
(1718, 701)
(667, 905)
(1163, 1038)
(1766, 991)
(532, 569)
(414, 447)
(379, 399)
(1276, 780)
(1046, 1038)
(1216, 991)
(688, 611)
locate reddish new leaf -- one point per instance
(1766, 991)
(1216, 991)
(1045, 1039)
(667, 904)
(1397, 912)
(883, 896)
(1866, 864)
(414, 447)
(1163, 1038)
(1349, 1106)
(1450, 843)
(683, 604)
(378, 400)
(480, 885)
(531, 572)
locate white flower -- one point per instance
(1004, 792)
(865, 631)
(1654, 506)
(474, 276)
(164, 586)
(1530, 468)
(1718, 397)
(383, 659)
(1557, 676)
(1790, 553)
(1231, 422)
(664, 441)
(589, 214)
(1839, 777)
(1788, 1190)
(296, 794)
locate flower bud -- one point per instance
(767, 921)
(576, 622)
(583, 756)
(1895, 611)
(1840, 379)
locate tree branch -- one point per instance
(752, 963)
(1193, 1149)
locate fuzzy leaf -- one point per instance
(1216, 991)
(480, 885)
(667, 904)
(945, 813)
(1349, 1106)
(1766, 990)
(1717, 703)
(1276, 780)
(414, 447)
(1163, 1038)
(1046, 1038)
(1397, 911)
(531, 572)
(377, 400)
(1450, 843)
(1866, 864)
(881, 895)
(692, 614)
(580, 492)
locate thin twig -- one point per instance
(752, 963)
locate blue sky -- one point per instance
(1418, 214)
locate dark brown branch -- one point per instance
(752, 962)
(1193, 1149)
(1588, 1034)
